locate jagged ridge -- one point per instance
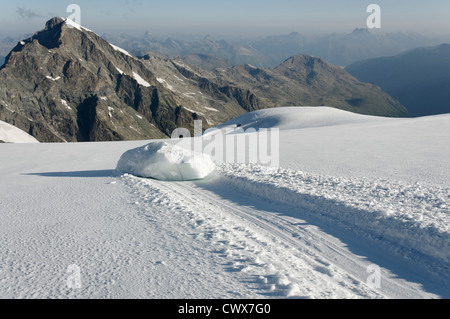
(67, 84)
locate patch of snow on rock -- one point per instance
(164, 82)
(72, 24)
(140, 80)
(120, 49)
(53, 79)
(64, 102)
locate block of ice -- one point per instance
(167, 162)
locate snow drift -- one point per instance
(167, 162)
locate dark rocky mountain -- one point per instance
(419, 78)
(305, 80)
(2, 60)
(67, 84)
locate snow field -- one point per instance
(348, 196)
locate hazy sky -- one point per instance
(228, 18)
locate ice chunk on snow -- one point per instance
(167, 162)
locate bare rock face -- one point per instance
(309, 81)
(67, 84)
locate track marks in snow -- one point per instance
(409, 218)
(277, 260)
(282, 255)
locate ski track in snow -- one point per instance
(264, 257)
(280, 254)
(413, 216)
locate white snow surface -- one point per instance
(167, 162)
(12, 134)
(288, 118)
(352, 192)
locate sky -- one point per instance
(230, 18)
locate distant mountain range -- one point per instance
(419, 78)
(338, 49)
(67, 84)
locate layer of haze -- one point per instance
(229, 18)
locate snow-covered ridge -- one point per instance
(295, 117)
(12, 134)
(120, 50)
(72, 24)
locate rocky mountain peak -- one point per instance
(56, 21)
(67, 84)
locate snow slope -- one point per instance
(352, 193)
(329, 141)
(288, 118)
(12, 134)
